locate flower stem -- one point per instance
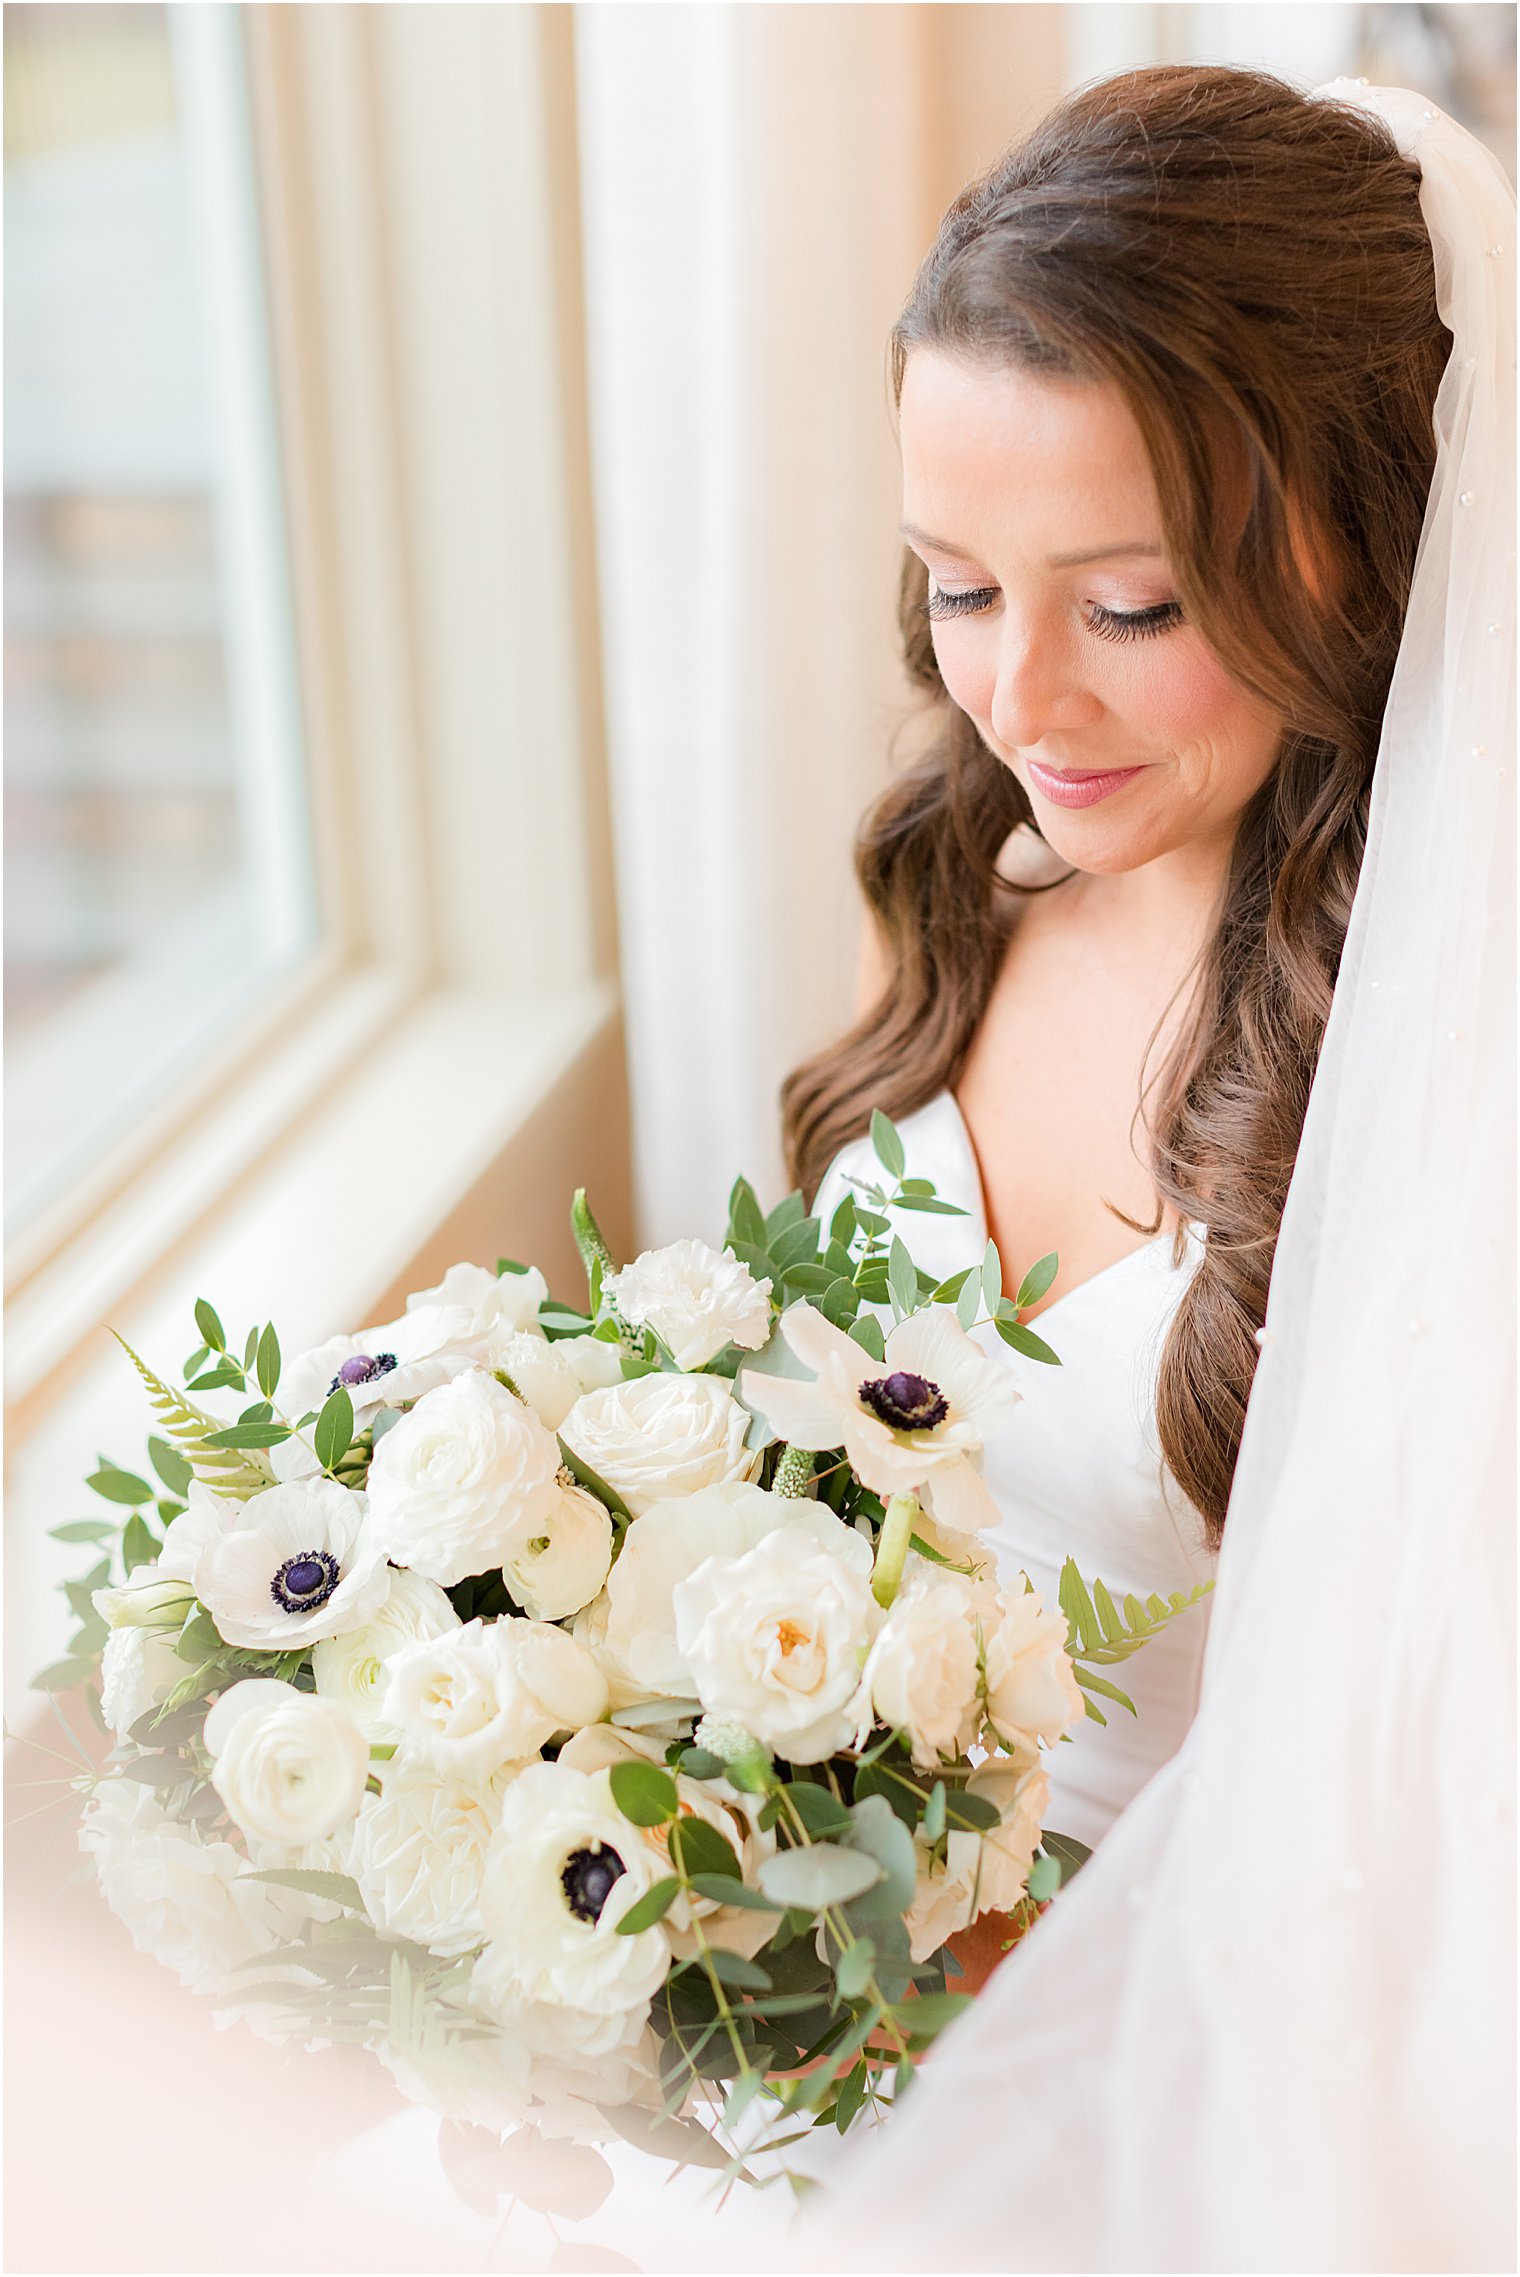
(892, 1547)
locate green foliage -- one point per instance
(697, 1848)
(644, 1794)
(1101, 1633)
(1037, 1280)
(816, 1875)
(1025, 1340)
(651, 1907)
(229, 1470)
(139, 1544)
(585, 1476)
(171, 1466)
(334, 1432)
(267, 1362)
(117, 1485)
(888, 1144)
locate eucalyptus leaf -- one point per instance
(867, 1333)
(852, 1971)
(880, 1833)
(334, 1431)
(1025, 1340)
(653, 1906)
(585, 1476)
(213, 1335)
(117, 1485)
(817, 1875)
(267, 1362)
(1037, 1280)
(902, 1278)
(697, 1848)
(643, 1793)
(171, 1466)
(83, 1530)
(969, 1303)
(887, 1143)
(139, 1544)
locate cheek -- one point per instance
(1186, 703)
(969, 670)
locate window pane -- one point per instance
(158, 862)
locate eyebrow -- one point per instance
(1127, 548)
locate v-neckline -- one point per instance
(979, 1188)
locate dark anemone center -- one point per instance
(361, 1368)
(907, 1403)
(588, 1876)
(305, 1581)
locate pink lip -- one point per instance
(1081, 786)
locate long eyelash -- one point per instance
(1108, 624)
(957, 604)
(1142, 624)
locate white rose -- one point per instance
(662, 1435)
(777, 1638)
(596, 1361)
(181, 1897)
(462, 1483)
(1032, 1694)
(290, 1767)
(490, 1302)
(300, 1563)
(139, 1668)
(736, 1929)
(663, 1548)
(491, 1692)
(150, 1600)
(418, 1852)
(563, 1869)
(697, 1300)
(562, 1568)
(353, 1669)
(924, 1668)
(981, 1873)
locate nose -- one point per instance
(1038, 690)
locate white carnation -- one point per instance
(662, 1435)
(491, 1692)
(354, 1669)
(663, 1548)
(464, 1482)
(139, 1668)
(299, 1564)
(489, 1302)
(418, 1852)
(562, 1568)
(290, 1767)
(1032, 1694)
(183, 1899)
(924, 1668)
(777, 1638)
(697, 1300)
(563, 1869)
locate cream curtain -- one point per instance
(758, 185)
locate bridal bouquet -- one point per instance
(607, 1716)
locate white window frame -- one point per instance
(418, 175)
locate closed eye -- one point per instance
(1108, 624)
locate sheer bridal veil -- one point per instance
(1271, 2025)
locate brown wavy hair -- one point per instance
(1251, 269)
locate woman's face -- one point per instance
(1030, 501)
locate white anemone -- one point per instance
(914, 1422)
(299, 1564)
(380, 1367)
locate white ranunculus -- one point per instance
(734, 1928)
(138, 1669)
(540, 1371)
(380, 1367)
(662, 1435)
(299, 1564)
(596, 1361)
(462, 1483)
(1032, 1694)
(777, 1638)
(981, 1873)
(354, 1669)
(491, 1692)
(562, 1568)
(289, 1766)
(149, 1600)
(663, 1548)
(490, 1302)
(697, 1300)
(184, 1899)
(563, 1869)
(418, 1852)
(924, 1668)
(914, 1422)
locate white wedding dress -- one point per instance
(1078, 1472)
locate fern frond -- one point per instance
(237, 1473)
(1100, 1633)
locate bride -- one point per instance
(1208, 485)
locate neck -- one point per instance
(1171, 903)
